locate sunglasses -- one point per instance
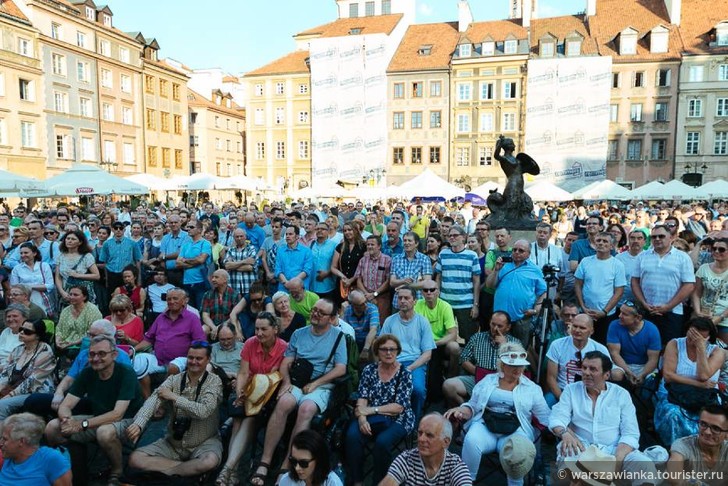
(257, 300)
(190, 227)
(428, 290)
(304, 463)
(719, 249)
(519, 250)
(670, 225)
(513, 356)
(49, 233)
(388, 350)
(658, 237)
(27, 332)
(713, 428)
(200, 344)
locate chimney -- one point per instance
(674, 8)
(465, 15)
(591, 8)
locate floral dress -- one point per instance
(379, 393)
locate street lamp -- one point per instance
(109, 165)
(693, 175)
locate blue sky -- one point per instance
(240, 35)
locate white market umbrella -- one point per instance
(13, 183)
(244, 183)
(676, 189)
(605, 189)
(84, 179)
(714, 189)
(200, 182)
(547, 191)
(429, 184)
(651, 190)
(369, 193)
(484, 189)
(150, 181)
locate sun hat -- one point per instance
(259, 390)
(514, 358)
(517, 456)
(593, 460)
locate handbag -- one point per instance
(301, 369)
(504, 423)
(691, 398)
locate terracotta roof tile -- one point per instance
(560, 27)
(8, 7)
(292, 63)
(378, 24)
(698, 18)
(442, 37)
(613, 16)
(196, 99)
(230, 79)
(498, 30)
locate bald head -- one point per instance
(357, 297)
(295, 284)
(584, 320)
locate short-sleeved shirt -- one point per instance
(689, 449)
(217, 305)
(173, 244)
(81, 361)
(633, 349)
(304, 306)
(518, 288)
(362, 324)
(323, 254)
(415, 268)
(103, 394)
(482, 351)
(441, 318)
(715, 291)
(414, 335)
(193, 249)
(600, 278)
(457, 270)
(227, 359)
(317, 349)
(257, 360)
(408, 470)
(118, 253)
(564, 353)
(43, 468)
(662, 277)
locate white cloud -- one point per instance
(425, 10)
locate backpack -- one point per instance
(352, 364)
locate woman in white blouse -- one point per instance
(36, 275)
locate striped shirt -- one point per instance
(457, 271)
(662, 277)
(408, 470)
(416, 269)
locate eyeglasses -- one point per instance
(304, 463)
(98, 354)
(388, 350)
(658, 237)
(719, 249)
(26, 331)
(3, 229)
(454, 235)
(118, 311)
(49, 233)
(713, 428)
(519, 250)
(190, 227)
(200, 344)
(429, 289)
(318, 311)
(260, 299)
(671, 225)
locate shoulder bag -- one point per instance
(301, 369)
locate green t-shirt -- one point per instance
(104, 394)
(304, 307)
(490, 259)
(441, 318)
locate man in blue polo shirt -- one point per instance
(116, 254)
(169, 249)
(293, 260)
(255, 233)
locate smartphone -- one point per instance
(507, 259)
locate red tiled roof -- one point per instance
(698, 18)
(498, 30)
(196, 99)
(560, 27)
(292, 63)
(442, 37)
(378, 24)
(8, 7)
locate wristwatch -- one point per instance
(84, 424)
(375, 294)
(376, 410)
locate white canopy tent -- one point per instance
(429, 184)
(83, 180)
(676, 189)
(606, 189)
(13, 183)
(714, 189)
(150, 181)
(546, 191)
(483, 190)
(651, 190)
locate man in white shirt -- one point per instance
(594, 412)
(542, 252)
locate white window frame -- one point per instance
(107, 112)
(107, 79)
(462, 156)
(720, 143)
(464, 91)
(83, 72)
(81, 39)
(62, 147)
(260, 151)
(508, 93)
(487, 88)
(613, 113)
(303, 149)
(110, 150)
(128, 153)
(85, 107)
(695, 108)
(692, 143)
(509, 122)
(124, 55)
(486, 122)
(398, 120)
(25, 47)
(280, 150)
(90, 13)
(60, 102)
(488, 48)
(658, 145)
(510, 46)
(258, 90)
(463, 125)
(280, 116)
(127, 115)
(435, 89)
(696, 73)
(723, 72)
(259, 117)
(3, 132)
(280, 88)
(634, 149)
(663, 73)
(635, 112)
(465, 50)
(29, 91)
(27, 134)
(58, 63)
(303, 88)
(721, 107)
(104, 47)
(56, 31)
(125, 82)
(88, 149)
(2, 84)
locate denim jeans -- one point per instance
(386, 435)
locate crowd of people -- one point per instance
(238, 322)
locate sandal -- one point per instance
(225, 477)
(258, 479)
(114, 480)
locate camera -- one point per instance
(507, 259)
(164, 297)
(180, 425)
(550, 273)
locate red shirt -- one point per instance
(258, 362)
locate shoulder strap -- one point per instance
(333, 350)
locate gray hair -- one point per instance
(103, 338)
(279, 295)
(223, 273)
(23, 288)
(105, 326)
(24, 310)
(25, 426)
(446, 431)
(508, 347)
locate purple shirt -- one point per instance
(171, 339)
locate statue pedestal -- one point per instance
(520, 234)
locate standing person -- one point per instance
(663, 279)
(542, 252)
(75, 265)
(410, 267)
(255, 233)
(392, 245)
(583, 248)
(599, 285)
(194, 259)
(48, 249)
(323, 281)
(372, 276)
(420, 224)
(12, 254)
(565, 288)
(346, 258)
(116, 254)
(170, 247)
(710, 298)
(269, 252)
(37, 276)
(629, 260)
(293, 261)
(458, 273)
(240, 262)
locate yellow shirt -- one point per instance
(420, 225)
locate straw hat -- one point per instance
(517, 456)
(593, 460)
(259, 390)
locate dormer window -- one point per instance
(488, 48)
(355, 31)
(573, 44)
(721, 34)
(107, 20)
(510, 46)
(90, 13)
(658, 39)
(628, 42)
(465, 50)
(547, 48)
(228, 103)
(425, 50)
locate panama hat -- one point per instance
(517, 456)
(259, 390)
(593, 460)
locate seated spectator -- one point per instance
(363, 316)
(415, 335)
(302, 301)
(383, 411)
(693, 360)
(507, 401)
(705, 453)
(15, 316)
(74, 321)
(132, 289)
(25, 462)
(479, 357)
(243, 315)
(709, 299)
(217, 303)
(430, 462)
(226, 352)
(192, 445)
(262, 354)
(566, 354)
(129, 326)
(114, 396)
(561, 327)
(157, 296)
(634, 344)
(20, 294)
(310, 462)
(290, 321)
(46, 404)
(29, 369)
(37, 276)
(314, 343)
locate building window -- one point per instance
(547, 48)
(613, 150)
(418, 89)
(88, 149)
(151, 119)
(369, 9)
(302, 89)
(178, 124)
(464, 91)
(398, 120)
(163, 88)
(663, 77)
(695, 74)
(228, 146)
(107, 20)
(194, 140)
(434, 155)
(149, 83)
(721, 38)
(280, 150)
(280, 116)
(386, 7)
(164, 121)
(260, 150)
(661, 112)
(509, 122)
(303, 117)
(176, 91)
(573, 48)
(463, 123)
(635, 112)
(465, 50)
(488, 48)
(723, 72)
(109, 151)
(425, 50)
(638, 81)
(27, 89)
(398, 90)
(82, 70)
(659, 149)
(218, 143)
(695, 108)
(485, 156)
(107, 112)
(128, 153)
(165, 157)
(27, 134)
(81, 39)
(127, 115)
(462, 156)
(125, 83)
(435, 89)
(105, 48)
(509, 90)
(124, 55)
(25, 47)
(85, 107)
(435, 119)
(303, 149)
(62, 151)
(152, 156)
(721, 107)
(259, 117)
(59, 64)
(416, 153)
(692, 143)
(56, 31)
(613, 113)
(178, 159)
(60, 102)
(627, 44)
(486, 122)
(416, 119)
(90, 13)
(721, 143)
(106, 79)
(615, 80)
(486, 90)
(353, 10)
(510, 47)
(258, 90)
(239, 146)
(634, 149)
(280, 88)
(398, 155)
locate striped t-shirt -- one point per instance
(456, 282)
(407, 469)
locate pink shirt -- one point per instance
(172, 339)
(258, 362)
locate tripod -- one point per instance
(543, 324)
